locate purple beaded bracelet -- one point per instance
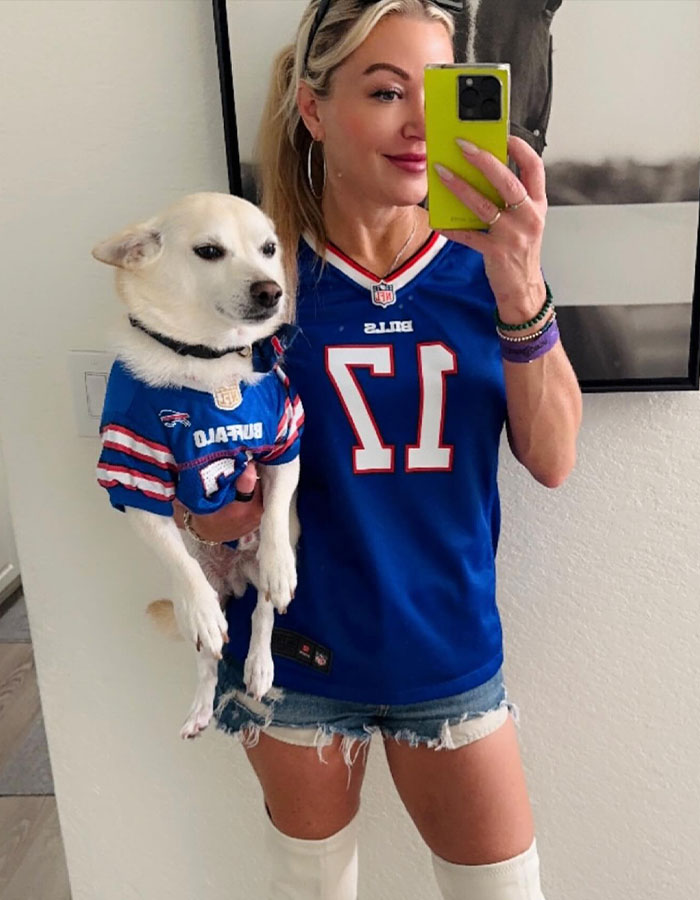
(526, 351)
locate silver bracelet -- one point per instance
(187, 522)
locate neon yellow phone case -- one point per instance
(443, 125)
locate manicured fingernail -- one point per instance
(467, 146)
(443, 172)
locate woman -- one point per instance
(406, 388)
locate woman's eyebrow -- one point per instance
(395, 69)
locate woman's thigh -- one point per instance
(470, 805)
(308, 752)
(307, 798)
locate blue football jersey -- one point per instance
(163, 443)
(404, 396)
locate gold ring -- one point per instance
(495, 219)
(518, 205)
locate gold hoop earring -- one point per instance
(309, 169)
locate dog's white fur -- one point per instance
(174, 292)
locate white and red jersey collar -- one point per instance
(399, 278)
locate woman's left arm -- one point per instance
(543, 395)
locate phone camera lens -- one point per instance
(469, 97)
(479, 98)
(490, 87)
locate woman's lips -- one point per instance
(411, 162)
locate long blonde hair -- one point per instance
(283, 140)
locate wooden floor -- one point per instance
(32, 860)
(32, 863)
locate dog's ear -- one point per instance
(131, 248)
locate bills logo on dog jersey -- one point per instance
(170, 418)
(383, 294)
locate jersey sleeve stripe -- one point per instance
(293, 436)
(284, 420)
(297, 417)
(144, 457)
(282, 375)
(119, 438)
(108, 476)
(290, 419)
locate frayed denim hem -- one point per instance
(310, 719)
(248, 733)
(482, 724)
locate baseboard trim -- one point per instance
(7, 593)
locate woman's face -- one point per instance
(373, 122)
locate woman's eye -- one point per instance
(387, 95)
(269, 249)
(209, 251)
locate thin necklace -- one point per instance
(403, 249)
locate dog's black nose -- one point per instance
(266, 293)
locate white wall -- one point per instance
(109, 111)
(626, 81)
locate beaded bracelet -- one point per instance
(531, 349)
(538, 318)
(528, 337)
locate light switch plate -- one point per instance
(89, 371)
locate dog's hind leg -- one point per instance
(202, 707)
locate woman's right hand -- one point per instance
(235, 519)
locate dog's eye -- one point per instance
(209, 251)
(269, 249)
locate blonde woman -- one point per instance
(407, 384)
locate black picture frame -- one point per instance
(647, 341)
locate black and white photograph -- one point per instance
(606, 92)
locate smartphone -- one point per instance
(470, 102)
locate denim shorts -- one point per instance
(311, 721)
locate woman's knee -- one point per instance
(308, 798)
(517, 878)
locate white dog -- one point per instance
(195, 393)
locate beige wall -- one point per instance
(109, 111)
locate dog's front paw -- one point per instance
(277, 575)
(201, 620)
(259, 672)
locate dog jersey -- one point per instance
(162, 443)
(404, 395)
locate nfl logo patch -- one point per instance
(383, 294)
(228, 397)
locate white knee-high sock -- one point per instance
(312, 870)
(513, 879)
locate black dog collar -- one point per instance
(266, 353)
